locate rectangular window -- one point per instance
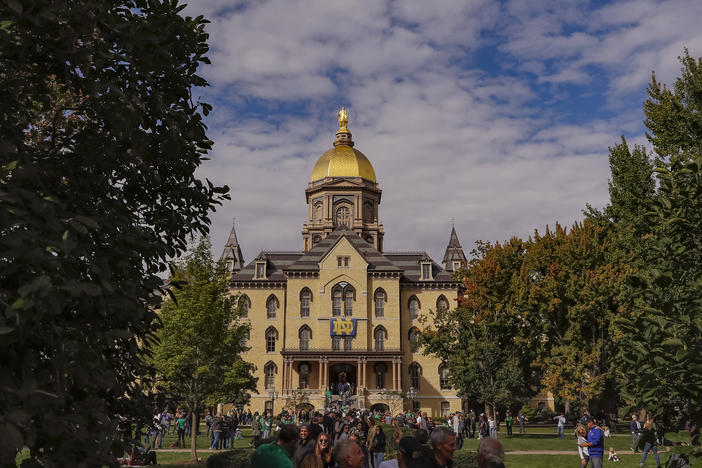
(456, 266)
(348, 343)
(336, 343)
(260, 270)
(336, 304)
(343, 262)
(426, 271)
(416, 406)
(379, 306)
(348, 304)
(305, 306)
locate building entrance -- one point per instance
(342, 378)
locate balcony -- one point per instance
(328, 351)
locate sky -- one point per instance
(493, 116)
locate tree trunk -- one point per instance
(193, 435)
(567, 407)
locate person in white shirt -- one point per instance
(561, 425)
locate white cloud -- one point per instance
(449, 136)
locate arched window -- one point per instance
(305, 300)
(445, 409)
(414, 307)
(442, 304)
(380, 370)
(444, 377)
(305, 337)
(303, 371)
(244, 306)
(343, 295)
(343, 216)
(271, 306)
(380, 297)
(348, 303)
(245, 339)
(270, 369)
(271, 338)
(336, 303)
(318, 211)
(413, 336)
(415, 370)
(380, 336)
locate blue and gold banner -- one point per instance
(342, 327)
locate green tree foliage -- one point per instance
(198, 357)
(661, 355)
(479, 339)
(99, 143)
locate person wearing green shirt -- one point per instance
(180, 425)
(277, 454)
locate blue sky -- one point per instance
(495, 114)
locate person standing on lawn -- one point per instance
(649, 437)
(581, 435)
(180, 426)
(595, 443)
(509, 420)
(561, 420)
(635, 433)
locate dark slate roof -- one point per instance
(276, 262)
(409, 263)
(310, 261)
(232, 251)
(454, 251)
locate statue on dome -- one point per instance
(343, 119)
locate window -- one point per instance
(305, 299)
(445, 409)
(271, 307)
(270, 369)
(379, 298)
(416, 406)
(380, 335)
(343, 262)
(245, 339)
(318, 211)
(304, 373)
(244, 306)
(380, 370)
(413, 337)
(343, 291)
(336, 343)
(316, 238)
(426, 271)
(230, 265)
(260, 270)
(343, 216)
(348, 303)
(415, 371)
(444, 377)
(348, 343)
(456, 266)
(305, 337)
(442, 304)
(271, 338)
(336, 304)
(414, 307)
(368, 212)
(268, 407)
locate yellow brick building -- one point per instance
(343, 310)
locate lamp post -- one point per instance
(272, 395)
(411, 395)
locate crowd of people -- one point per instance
(357, 440)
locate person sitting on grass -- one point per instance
(613, 455)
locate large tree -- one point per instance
(198, 357)
(660, 354)
(99, 142)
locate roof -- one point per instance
(406, 263)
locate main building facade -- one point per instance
(343, 314)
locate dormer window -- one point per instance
(456, 266)
(261, 269)
(426, 273)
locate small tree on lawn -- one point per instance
(198, 357)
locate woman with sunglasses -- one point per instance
(322, 455)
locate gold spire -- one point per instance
(343, 121)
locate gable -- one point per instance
(343, 249)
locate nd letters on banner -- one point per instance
(342, 327)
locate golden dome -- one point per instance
(343, 161)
